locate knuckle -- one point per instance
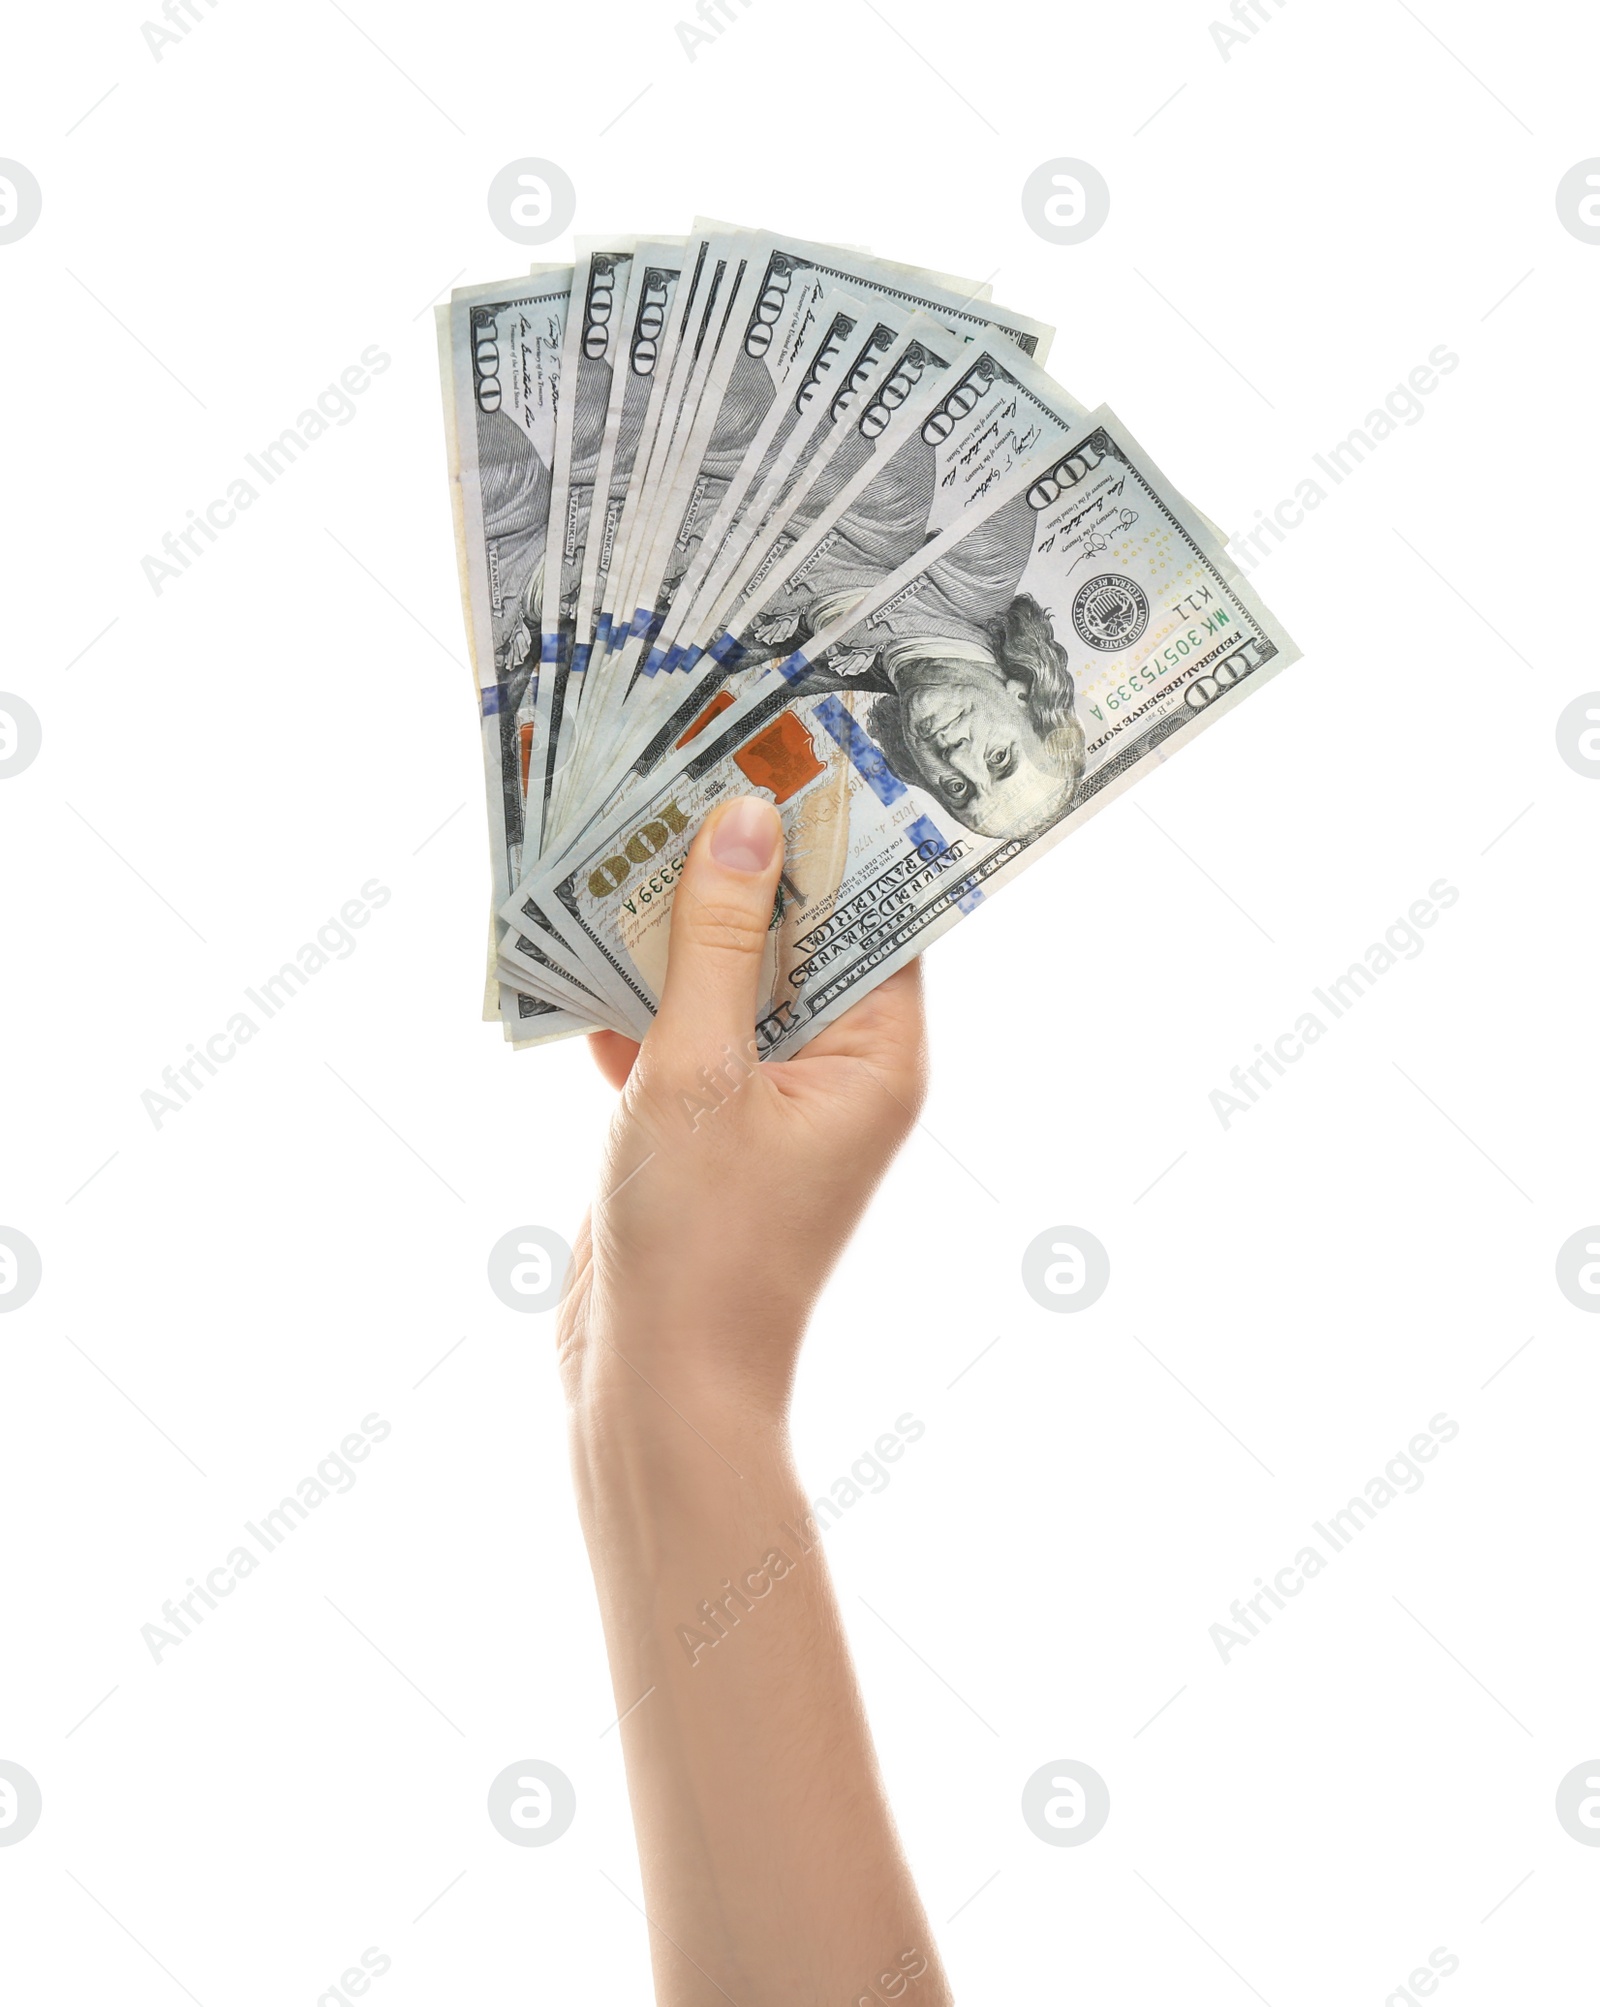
(723, 927)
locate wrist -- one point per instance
(634, 1364)
(672, 1435)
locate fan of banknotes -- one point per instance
(740, 514)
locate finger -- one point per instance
(887, 1031)
(614, 1055)
(721, 913)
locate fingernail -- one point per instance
(745, 835)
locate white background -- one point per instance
(1292, 1298)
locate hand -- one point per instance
(730, 1187)
(770, 1863)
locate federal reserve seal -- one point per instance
(1110, 612)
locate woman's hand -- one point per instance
(730, 1187)
(771, 1869)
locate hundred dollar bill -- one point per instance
(882, 380)
(639, 377)
(531, 956)
(503, 363)
(1034, 660)
(996, 411)
(584, 394)
(717, 277)
(884, 372)
(733, 260)
(866, 429)
(833, 342)
(848, 344)
(822, 336)
(746, 377)
(523, 961)
(593, 342)
(930, 438)
(710, 268)
(766, 400)
(969, 432)
(953, 283)
(935, 438)
(526, 1017)
(637, 386)
(479, 449)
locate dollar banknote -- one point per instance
(499, 355)
(637, 382)
(712, 268)
(892, 351)
(583, 400)
(943, 427)
(737, 513)
(779, 284)
(591, 347)
(1032, 662)
(786, 319)
(848, 343)
(751, 423)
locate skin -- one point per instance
(978, 748)
(772, 1872)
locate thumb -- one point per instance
(721, 911)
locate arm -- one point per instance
(772, 1873)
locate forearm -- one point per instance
(772, 1872)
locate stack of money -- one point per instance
(740, 514)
